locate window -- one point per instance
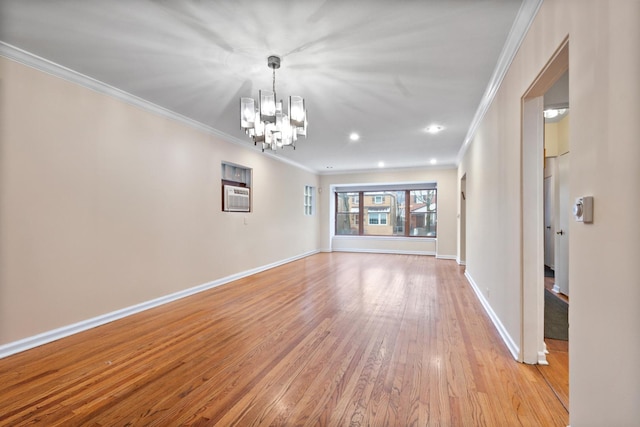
(423, 213)
(400, 213)
(377, 218)
(309, 199)
(347, 213)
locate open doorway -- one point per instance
(556, 236)
(462, 243)
(544, 220)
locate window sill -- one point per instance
(395, 238)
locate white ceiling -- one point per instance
(384, 69)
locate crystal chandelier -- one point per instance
(267, 123)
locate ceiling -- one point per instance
(383, 69)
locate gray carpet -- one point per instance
(556, 317)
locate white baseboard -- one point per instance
(384, 251)
(460, 262)
(542, 358)
(65, 331)
(453, 257)
(511, 345)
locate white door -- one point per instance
(549, 229)
(563, 210)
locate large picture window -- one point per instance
(402, 213)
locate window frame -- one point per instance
(309, 200)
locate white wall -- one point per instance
(446, 245)
(604, 315)
(104, 205)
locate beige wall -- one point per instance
(446, 179)
(604, 315)
(103, 205)
(563, 135)
(556, 137)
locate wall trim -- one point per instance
(460, 262)
(453, 257)
(511, 345)
(542, 358)
(65, 331)
(49, 67)
(385, 251)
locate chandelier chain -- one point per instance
(274, 83)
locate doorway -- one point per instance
(462, 244)
(532, 347)
(556, 211)
(537, 216)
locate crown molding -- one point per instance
(34, 61)
(524, 19)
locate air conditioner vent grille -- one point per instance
(236, 199)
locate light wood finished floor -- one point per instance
(333, 339)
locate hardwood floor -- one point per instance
(332, 339)
(557, 372)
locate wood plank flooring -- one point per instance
(332, 339)
(557, 372)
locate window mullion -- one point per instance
(361, 213)
(407, 212)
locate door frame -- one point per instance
(532, 346)
(462, 222)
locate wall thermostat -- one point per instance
(583, 209)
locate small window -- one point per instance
(309, 199)
(377, 218)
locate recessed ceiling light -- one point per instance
(433, 129)
(552, 113)
(354, 136)
(380, 164)
(433, 161)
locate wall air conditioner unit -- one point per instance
(236, 199)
